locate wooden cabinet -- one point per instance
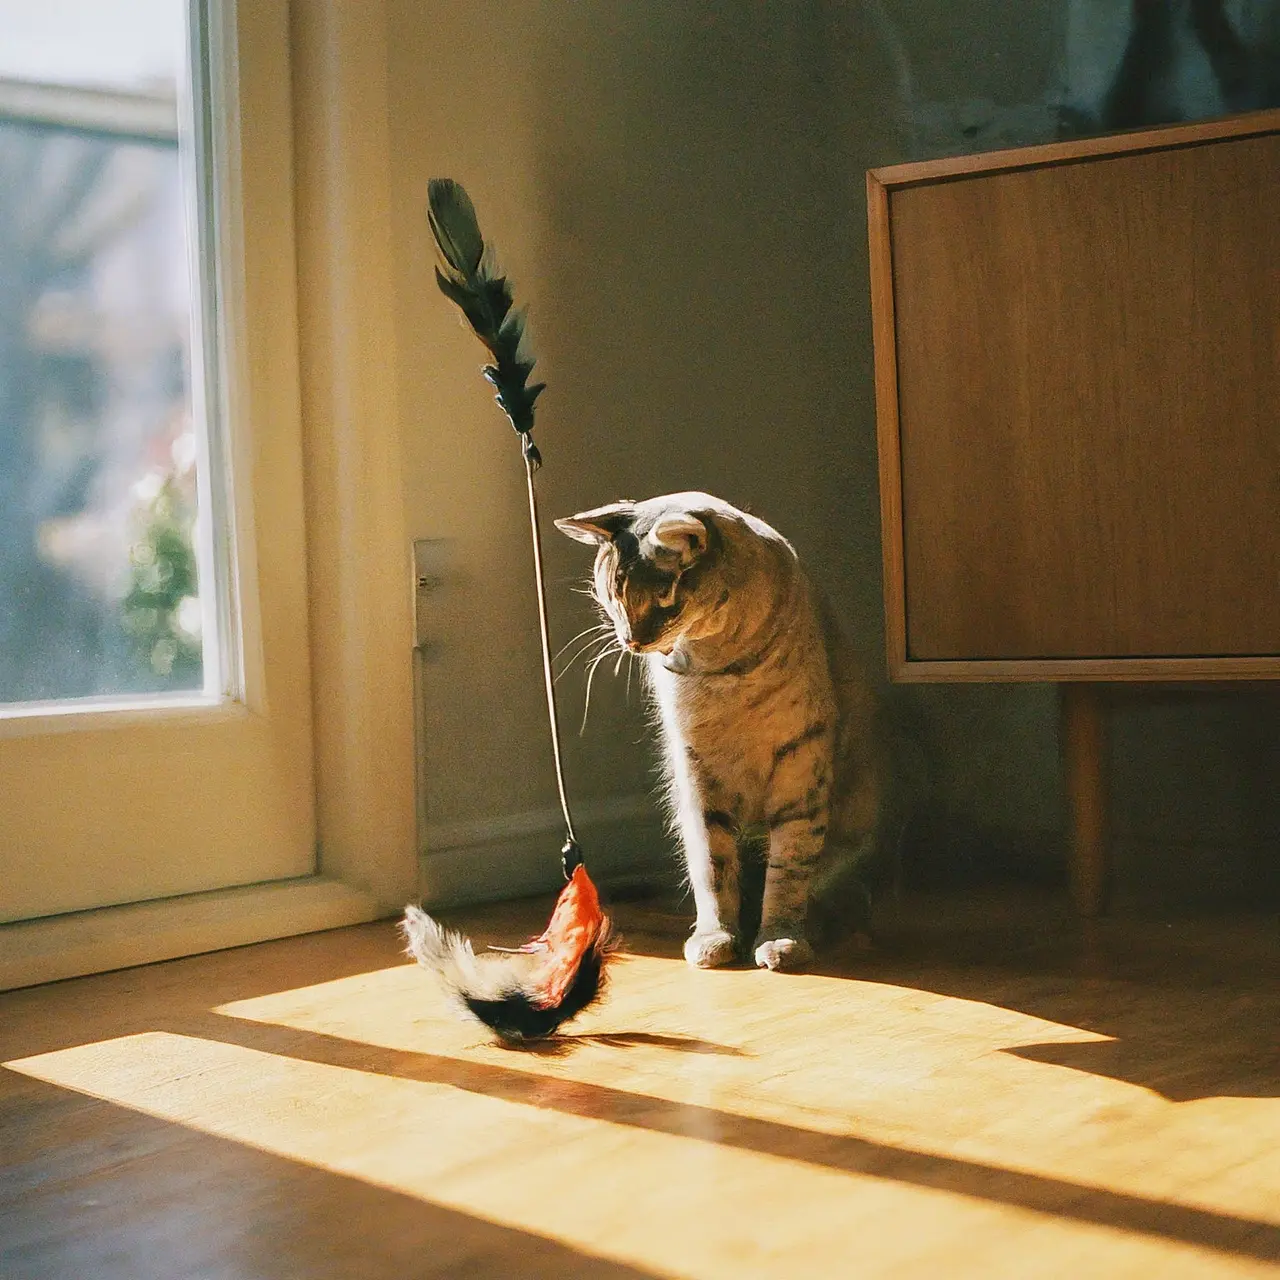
(1078, 387)
(1078, 397)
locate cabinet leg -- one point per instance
(1084, 760)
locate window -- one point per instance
(101, 443)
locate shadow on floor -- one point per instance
(1190, 1004)
(562, 1045)
(1077, 1202)
(126, 1196)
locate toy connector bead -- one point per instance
(570, 858)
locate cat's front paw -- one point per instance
(784, 954)
(711, 949)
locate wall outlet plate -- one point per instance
(430, 565)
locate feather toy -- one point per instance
(528, 992)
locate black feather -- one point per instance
(467, 277)
(455, 226)
(515, 1017)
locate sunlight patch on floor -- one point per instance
(895, 1065)
(679, 1205)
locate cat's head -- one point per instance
(655, 575)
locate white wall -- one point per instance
(677, 191)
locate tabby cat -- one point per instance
(766, 723)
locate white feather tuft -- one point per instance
(449, 954)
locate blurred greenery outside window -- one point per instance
(98, 585)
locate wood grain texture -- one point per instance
(1087, 359)
(888, 441)
(1131, 670)
(991, 1094)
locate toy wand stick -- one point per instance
(528, 992)
(571, 854)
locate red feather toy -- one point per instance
(528, 992)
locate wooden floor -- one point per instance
(991, 1093)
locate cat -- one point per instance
(766, 722)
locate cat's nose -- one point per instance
(632, 645)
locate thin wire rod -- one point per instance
(548, 673)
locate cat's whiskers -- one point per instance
(591, 675)
(603, 652)
(606, 641)
(595, 628)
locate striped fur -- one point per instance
(766, 720)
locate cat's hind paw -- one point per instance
(784, 954)
(711, 949)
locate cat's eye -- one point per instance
(667, 597)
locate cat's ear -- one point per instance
(598, 526)
(682, 534)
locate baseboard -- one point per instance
(83, 942)
(517, 855)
